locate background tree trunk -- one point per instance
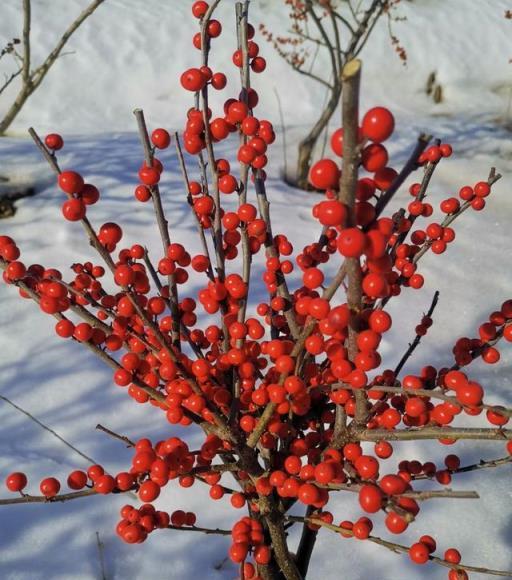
(308, 144)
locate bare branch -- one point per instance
(123, 438)
(32, 79)
(26, 42)
(452, 433)
(311, 75)
(101, 556)
(350, 79)
(9, 80)
(208, 531)
(46, 428)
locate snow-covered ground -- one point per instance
(130, 54)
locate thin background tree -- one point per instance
(28, 77)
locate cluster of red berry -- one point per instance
(248, 534)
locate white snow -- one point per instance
(130, 54)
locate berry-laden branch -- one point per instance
(433, 394)
(52, 499)
(415, 555)
(163, 225)
(426, 321)
(124, 279)
(202, 237)
(482, 464)
(410, 166)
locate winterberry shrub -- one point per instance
(290, 393)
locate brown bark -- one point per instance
(307, 145)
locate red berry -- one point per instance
(65, 328)
(77, 479)
(395, 523)
(374, 157)
(16, 270)
(313, 278)
(89, 194)
(375, 286)
(262, 555)
(337, 142)
(193, 80)
(452, 555)
(362, 529)
(70, 182)
(142, 193)
(237, 112)
(110, 233)
(378, 124)
(49, 487)
(331, 213)
(149, 175)
(214, 28)
(470, 394)
(370, 498)
(380, 321)
(16, 481)
(149, 491)
(160, 138)
(199, 8)
(482, 189)
(384, 177)
(73, 210)
(325, 174)
(258, 64)
(54, 141)
(419, 553)
(308, 494)
(104, 484)
(351, 242)
(367, 466)
(218, 81)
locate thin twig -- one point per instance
(271, 250)
(428, 432)
(207, 531)
(123, 438)
(101, 556)
(417, 339)
(46, 428)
